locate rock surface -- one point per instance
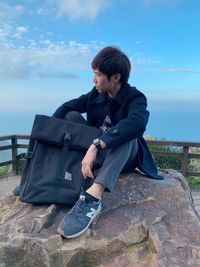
(143, 223)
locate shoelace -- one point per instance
(79, 207)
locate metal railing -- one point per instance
(185, 155)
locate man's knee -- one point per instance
(72, 115)
(132, 160)
(75, 116)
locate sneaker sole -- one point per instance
(61, 232)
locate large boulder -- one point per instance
(143, 223)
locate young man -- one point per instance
(119, 110)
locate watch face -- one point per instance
(96, 141)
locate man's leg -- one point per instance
(78, 219)
(75, 117)
(117, 160)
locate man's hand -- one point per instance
(88, 160)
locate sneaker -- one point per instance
(79, 218)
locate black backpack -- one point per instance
(52, 173)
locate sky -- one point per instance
(46, 48)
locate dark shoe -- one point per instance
(79, 218)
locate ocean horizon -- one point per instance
(168, 125)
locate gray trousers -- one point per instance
(111, 162)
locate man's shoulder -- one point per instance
(133, 91)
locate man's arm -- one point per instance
(78, 104)
(131, 127)
(88, 160)
(125, 130)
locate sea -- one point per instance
(181, 125)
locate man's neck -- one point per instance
(114, 91)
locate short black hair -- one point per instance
(111, 60)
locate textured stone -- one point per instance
(143, 223)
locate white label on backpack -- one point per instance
(68, 176)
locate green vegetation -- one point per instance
(193, 181)
(21, 163)
(166, 161)
(194, 166)
(174, 161)
(5, 170)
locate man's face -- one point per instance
(102, 84)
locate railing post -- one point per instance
(14, 155)
(185, 160)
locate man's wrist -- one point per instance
(93, 147)
(99, 144)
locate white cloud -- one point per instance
(79, 9)
(22, 58)
(10, 12)
(139, 59)
(5, 31)
(8, 16)
(45, 59)
(147, 3)
(20, 31)
(40, 11)
(57, 74)
(182, 70)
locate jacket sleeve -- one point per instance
(131, 127)
(78, 104)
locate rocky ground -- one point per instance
(143, 223)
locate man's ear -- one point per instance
(116, 77)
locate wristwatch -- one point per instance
(96, 142)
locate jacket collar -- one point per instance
(122, 94)
(102, 97)
(119, 98)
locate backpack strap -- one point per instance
(64, 155)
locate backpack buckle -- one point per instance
(67, 137)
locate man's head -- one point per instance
(111, 61)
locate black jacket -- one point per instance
(128, 115)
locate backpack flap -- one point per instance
(53, 130)
(48, 130)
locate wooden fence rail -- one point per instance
(13, 146)
(185, 155)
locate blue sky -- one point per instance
(46, 48)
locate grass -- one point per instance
(194, 181)
(5, 170)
